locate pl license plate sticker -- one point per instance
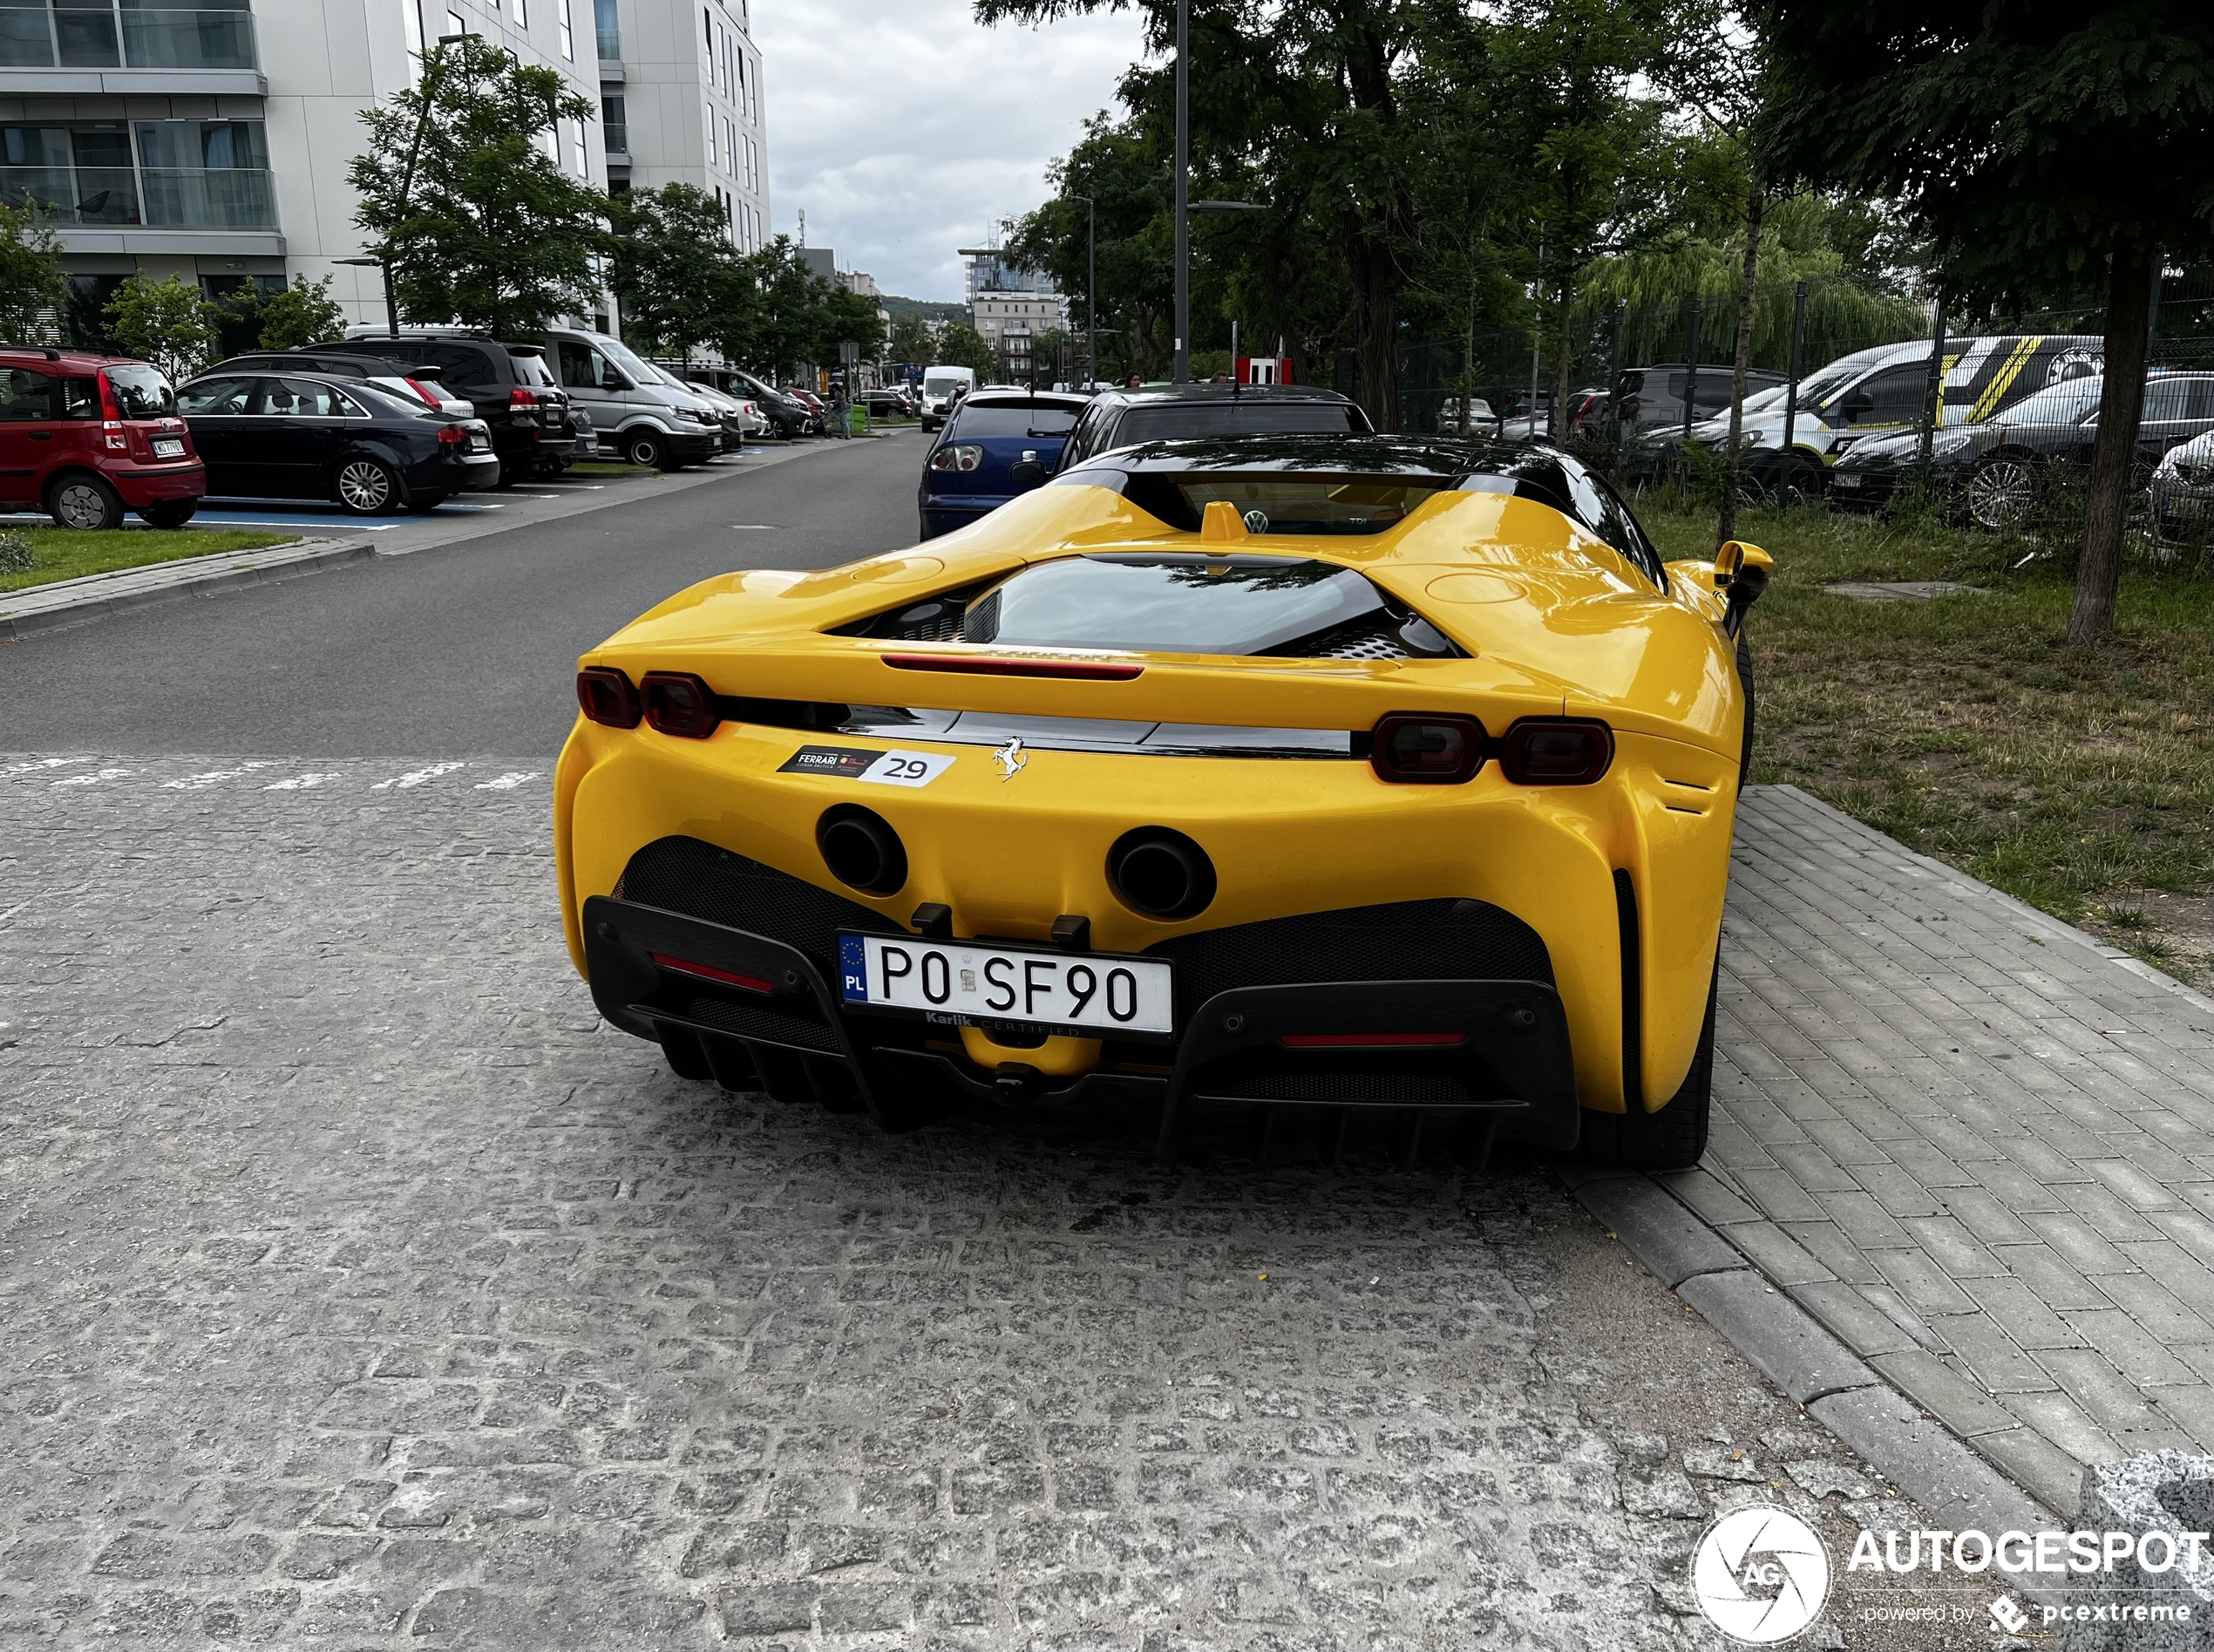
(168, 448)
(877, 768)
(960, 983)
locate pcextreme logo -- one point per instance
(1761, 1574)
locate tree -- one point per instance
(2036, 147)
(33, 289)
(477, 222)
(304, 313)
(1125, 172)
(680, 280)
(165, 323)
(961, 345)
(912, 340)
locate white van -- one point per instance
(941, 388)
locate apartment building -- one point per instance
(681, 92)
(211, 138)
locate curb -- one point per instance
(101, 595)
(1843, 1362)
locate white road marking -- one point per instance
(755, 528)
(93, 779)
(406, 781)
(301, 783)
(42, 763)
(507, 782)
(214, 776)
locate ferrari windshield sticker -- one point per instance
(877, 768)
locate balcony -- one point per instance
(122, 35)
(617, 137)
(147, 197)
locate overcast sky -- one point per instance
(905, 130)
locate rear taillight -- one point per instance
(454, 435)
(111, 417)
(960, 457)
(522, 396)
(1417, 748)
(679, 704)
(1555, 752)
(604, 695)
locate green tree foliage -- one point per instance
(480, 223)
(961, 345)
(912, 340)
(33, 290)
(304, 313)
(1121, 167)
(2037, 147)
(680, 280)
(166, 323)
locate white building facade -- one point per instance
(211, 138)
(684, 101)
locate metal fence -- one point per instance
(1864, 401)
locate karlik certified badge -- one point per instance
(1761, 1574)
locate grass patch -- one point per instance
(64, 553)
(2077, 779)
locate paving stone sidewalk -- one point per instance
(363, 1291)
(1973, 1141)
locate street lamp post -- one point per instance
(1091, 285)
(1183, 370)
(392, 306)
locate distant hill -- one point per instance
(929, 309)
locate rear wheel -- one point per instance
(1676, 1136)
(366, 486)
(2003, 491)
(646, 449)
(424, 504)
(169, 512)
(85, 502)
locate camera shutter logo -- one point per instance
(1761, 1574)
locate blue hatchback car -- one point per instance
(998, 444)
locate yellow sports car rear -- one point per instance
(1359, 773)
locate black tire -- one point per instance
(424, 504)
(85, 502)
(365, 486)
(169, 512)
(1752, 708)
(646, 449)
(1676, 1136)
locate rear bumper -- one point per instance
(150, 483)
(769, 1010)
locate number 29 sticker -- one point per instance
(906, 768)
(858, 763)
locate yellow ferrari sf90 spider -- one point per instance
(1355, 772)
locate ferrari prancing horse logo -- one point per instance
(1011, 758)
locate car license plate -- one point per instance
(1846, 479)
(967, 983)
(168, 448)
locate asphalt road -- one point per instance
(468, 647)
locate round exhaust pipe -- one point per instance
(1161, 873)
(861, 849)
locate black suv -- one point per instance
(789, 414)
(513, 388)
(1163, 413)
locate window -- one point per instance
(568, 30)
(583, 367)
(713, 159)
(25, 395)
(614, 125)
(311, 400)
(2168, 400)
(605, 25)
(580, 149)
(412, 17)
(522, 14)
(1896, 395)
(731, 144)
(214, 395)
(141, 392)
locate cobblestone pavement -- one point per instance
(363, 1291)
(1973, 1141)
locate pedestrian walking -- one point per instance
(841, 425)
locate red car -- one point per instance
(87, 437)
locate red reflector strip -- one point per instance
(1091, 670)
(1367, 1040)
(709, 972)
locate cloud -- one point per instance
(906, 131)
